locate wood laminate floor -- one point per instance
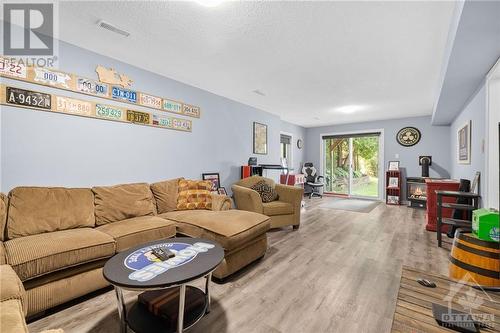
(339, 272)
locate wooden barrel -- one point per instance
(474, 259)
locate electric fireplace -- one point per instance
(416, 192)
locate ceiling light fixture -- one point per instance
(209, 3)
(350, 108)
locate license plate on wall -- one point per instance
(88, 86)
(124, 94)
(150, 101)
(52, 78)
(182, 124)
(12, 68)
(28, 98)
(108, 112)
(74, 106)
(138, 117)
(172, 106)
(162, 121)
(191, 110)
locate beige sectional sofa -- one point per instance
(57, 240)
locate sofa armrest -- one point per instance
(11, 286)
(247, 199)
(220, 202)
(12, 317)
(291, 194)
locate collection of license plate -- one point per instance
(49, 102)
(75, 83)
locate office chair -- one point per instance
(313, 182)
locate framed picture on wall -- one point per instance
(214, 178)
(393, 165)
(259, 138)
(222, 191)
(463, 143)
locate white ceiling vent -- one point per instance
(111, 27)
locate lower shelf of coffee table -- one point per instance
(142, 320)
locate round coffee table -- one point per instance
(138, 270)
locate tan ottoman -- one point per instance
(242, 234)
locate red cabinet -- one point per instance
(432, 186)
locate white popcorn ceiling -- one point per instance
(307, 58)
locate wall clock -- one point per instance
(300, 143)
(408, 136)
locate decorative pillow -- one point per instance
(194, 194)
(266, 191)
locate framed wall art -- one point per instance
(393, 182)
(393, 199)
(408, 136)
(259, 138)
(463, 143)
(214, 178)
(393, 165)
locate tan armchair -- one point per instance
(284, 211)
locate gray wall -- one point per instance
(48, 149)
(435, 141)
(298, 155)
(475, 111)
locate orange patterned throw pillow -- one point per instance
(194, 194)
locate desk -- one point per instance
(258, 170)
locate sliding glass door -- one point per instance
(351, 164)
(336, 165)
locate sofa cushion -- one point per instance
(277, 208)
(138, 230)
(251, 181)
(194, 194)
(230, 228)
(266, 191)
(121, 202)
(3, 215)
(34, 210)
(36, 255)
(165, 194)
